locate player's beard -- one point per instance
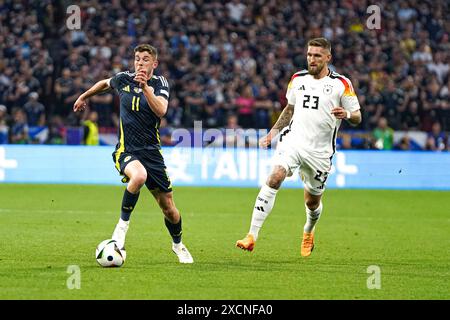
(316, 70)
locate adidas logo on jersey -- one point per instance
(302, 87)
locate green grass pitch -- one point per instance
(46, 228)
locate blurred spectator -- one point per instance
(193, 103)
(439, 67)
(444, 97)
(90, 129)
(393, 98)
(31, 82)
(35, 110)
(43, 71)
(102, 50)
(19, 129)
(232, 122)
(211, 112)
(346, 141)
(407, 143)
(165, 133)
(74, 63)
(17, 94)
(245, 104)
(263, 109)
(235, 10)
(404, 144)
(6, 82)
(383, 135)
(4, 128)
(64, 89)
(56, 131)
(76, 89)
(410, 118)
(232, 134)
(103, 104)
(174, 113)
(437, 139)
(423, 53)
(405, 12)
(245, 65)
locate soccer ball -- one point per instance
(108, 254)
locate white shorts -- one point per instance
(313, 171)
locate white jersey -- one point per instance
(313, 128)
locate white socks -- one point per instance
(120, 232)
(263, 206)
(312, 217)
(123, 224)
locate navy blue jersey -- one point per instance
(138, 123)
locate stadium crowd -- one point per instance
(225, 60)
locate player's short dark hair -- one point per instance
(320, 42)
(148, 48)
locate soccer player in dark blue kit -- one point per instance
(143, 102)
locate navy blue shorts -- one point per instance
(153, 162)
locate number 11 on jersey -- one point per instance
(135, 103)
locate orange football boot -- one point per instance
(307, 244)
(247, 243)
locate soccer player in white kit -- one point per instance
(318, 100)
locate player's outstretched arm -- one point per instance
(283, 120)
(99, 87)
